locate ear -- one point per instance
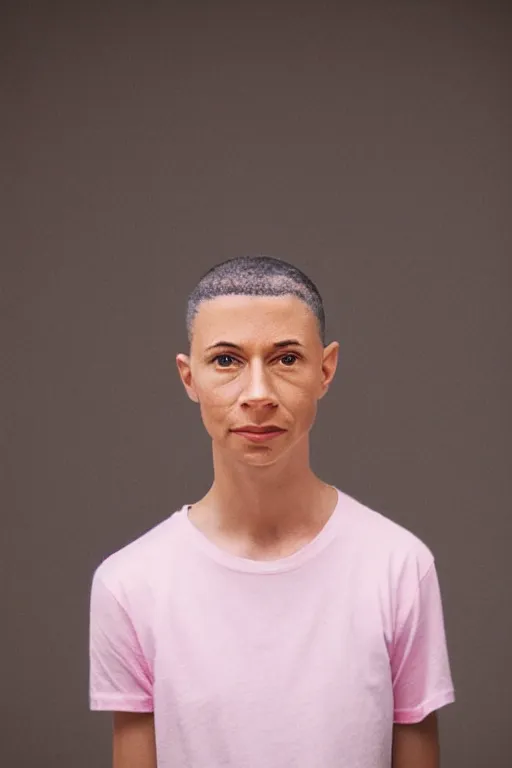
(329, 365)
(185, 372)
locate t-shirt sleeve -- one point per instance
(119, 675)
(420, 665)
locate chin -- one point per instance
(261, 460)
(264, 456)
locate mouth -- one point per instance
(259, 430)
(259, 434)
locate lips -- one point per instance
(259, 434)
(259, 430)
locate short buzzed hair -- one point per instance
(256, 276)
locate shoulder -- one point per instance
(383, 541)
(137, 566)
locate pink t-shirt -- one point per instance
(303, 661)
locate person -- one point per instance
(277, 622)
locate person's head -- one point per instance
(256, 331)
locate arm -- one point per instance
(416, 745)
(120, 677)
(422, 682)
(133, 741)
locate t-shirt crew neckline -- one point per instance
(237, 563)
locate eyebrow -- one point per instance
(277, 345)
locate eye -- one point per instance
(225, 361)
(217, 359)
(290, 356)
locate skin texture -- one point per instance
(133, 742)
(262, 496)
(263, 493)
(416, 745)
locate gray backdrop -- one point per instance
(367, 143)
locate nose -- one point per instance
(258, 390)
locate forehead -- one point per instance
(243, 319)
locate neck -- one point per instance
(265, 503)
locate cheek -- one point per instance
(303, 402)
(308, 411)
(298, 398)
(215, 401)
(303, 393)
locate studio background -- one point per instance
(369, 144)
